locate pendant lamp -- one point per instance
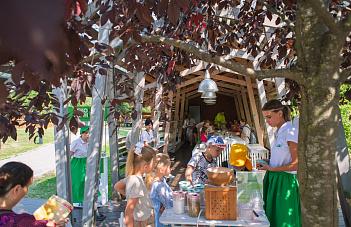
(207, 85)
(208, 95)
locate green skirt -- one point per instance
(78, 170)
(282, 199)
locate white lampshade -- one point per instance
(208, 95)
(207, 85)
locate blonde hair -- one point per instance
(162, 161)
(133, 160)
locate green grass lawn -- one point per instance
(23, 144)
(45, 186)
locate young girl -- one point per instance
(204, 134)
(139, 210)
(161, 193)
(196, 172)
(280, 187)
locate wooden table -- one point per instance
(168, 217)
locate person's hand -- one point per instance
(155, 149)
(162, 208)
(261, 166)
(188, 178)
(61, 223)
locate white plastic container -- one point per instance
(178, 202)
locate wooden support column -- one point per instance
(246, 107)
(139, 83)
(176, 119)
(62, 156)
(182, 107)
(113, 133)
(237, 107)
(241, 107)
(263, 100)
(280, 86)
(254, 111)
(168, 124)
(157, 113)
(187, 105)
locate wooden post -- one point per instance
(157, 112)
(168, 124)
(263, 99)
(139, 83)
(176, 118)
(246, 107)
(237, 107)
(240, 105)
(62, 156)
(182, 107)
(254, 111)
(280, 86)
(94, 151)
(113, 134)
(187, 105)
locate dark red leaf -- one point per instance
(183, 3)
(78, 113)
(102, 71)
(171, 66)
(84, 50)
(3, 93)
(104, 8)
(17, 72)
(173, 12)
(105, 18)
(55, 120)
(134, 115)
(162, 6)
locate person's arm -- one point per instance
(120, 186)
(129, 211)
(291, 166)
(147, 145)
(188, 172)
(71, 153)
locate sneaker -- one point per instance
(100, 217)
(78, 205)
(170, 176)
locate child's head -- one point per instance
(163, 165)
(140, 158)
(148, 124)
(215, 146)
(204, 128)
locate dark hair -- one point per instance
(221, 111)
(203, 130)
(148, 121)
(275, 105)
(12, 174)
(243, 120)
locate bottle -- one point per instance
(178, 202)
(201, 187)
(193, 204)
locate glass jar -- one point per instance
(201, 187)
(193, 204)
(178, 202)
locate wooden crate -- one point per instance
(220, 202)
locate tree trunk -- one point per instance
(318, 58)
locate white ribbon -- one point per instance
(138, 148)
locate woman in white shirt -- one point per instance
(147, 135)
(280, 186)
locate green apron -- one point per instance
(281, 199)
(78, 170)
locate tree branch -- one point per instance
(323, 13)
(212, 58)
(277, 12)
